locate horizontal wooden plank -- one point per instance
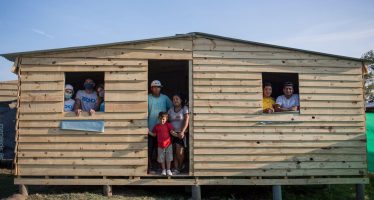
(8, 92)
(279, 62)
(295, 144)
(277, 137)
(279, 69)
(223, 89)
(272, 158)
(84, 68)
(226, 82)
(279, 151)
(41, 76)
(123, 96)
(209, 44)
(330, 90)
(71, 170)
(126, 85)
(278, 165)
(112, 106)
(81, 61)
(331, 97)
(180, 44)
(256, 54)
(229, 110)
(332, 83)
(330, 77)
(83, 161)
(82, 153)
(322, 129)
(82, 146)
(42, 96)
(126, 76)
(228, 96)
(53, 129)
(281, 117)
(331, 104)
(332, 111)
(41, 107)
(8, 98)
(232, 76)
(117, 53)
(83, 116)
(283, 172)
(188, 181)
(80, 138)
(42, 85)
(108, 124)
(280, 124)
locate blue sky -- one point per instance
(330, 26)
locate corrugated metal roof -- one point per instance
(12, 56)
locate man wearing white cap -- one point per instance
(68, 102)
(157, 103)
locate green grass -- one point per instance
(310, 192)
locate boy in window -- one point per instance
(288, 101)
(68, 101)
(86, 100)
(267, 101)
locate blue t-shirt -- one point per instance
(155, 106)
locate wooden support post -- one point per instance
(23, 190)
(107, 190)
(277, 192)
(360, 191)
(196, 192)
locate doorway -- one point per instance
(174, 77)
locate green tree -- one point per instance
(369, 77)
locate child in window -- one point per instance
(162, 131)
(68, 101)
(101, 93)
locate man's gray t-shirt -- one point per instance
(177, 118)
(88, 100)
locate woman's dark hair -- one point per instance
(267, 84)
(181, 96)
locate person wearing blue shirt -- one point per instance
(157, 103)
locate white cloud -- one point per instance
(40, 32)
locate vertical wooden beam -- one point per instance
(360, 191)
(191, 110)
(196, 192)
(277, 192)
(23, 190)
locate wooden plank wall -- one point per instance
(45, 150)
(231, 135)
(8, 90)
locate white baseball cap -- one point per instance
(156, 83)
(69, 87)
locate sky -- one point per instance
(344, 27)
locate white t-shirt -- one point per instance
(177, 118)
(288, 103)
(88, 100)
(69, 105)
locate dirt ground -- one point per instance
(313, 192)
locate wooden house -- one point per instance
(231, 141)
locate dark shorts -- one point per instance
(182, 142)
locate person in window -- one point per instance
(267, 101)
(101, 93)
(68, 101)
(179, 118)
(86, 100)
(157, 103)
(288, 101)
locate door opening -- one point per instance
(174, 77)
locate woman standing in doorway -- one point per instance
(179, 118)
